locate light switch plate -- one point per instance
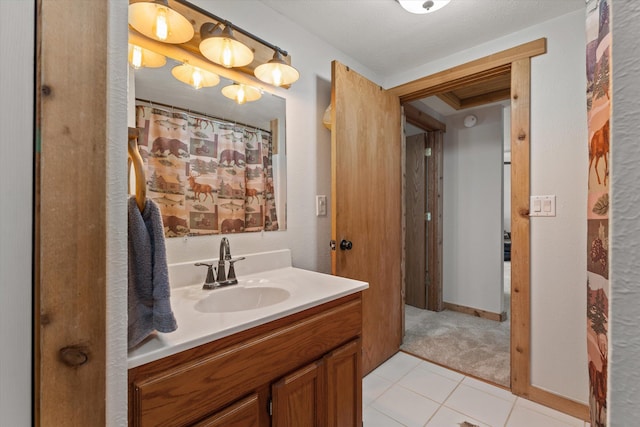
(543, 206)
(321, 205)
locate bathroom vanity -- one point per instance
(295, 362)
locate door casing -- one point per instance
(518, 61)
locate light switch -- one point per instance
(536, 205)
(543, 206)
(321, 205)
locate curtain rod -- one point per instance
(235, 122)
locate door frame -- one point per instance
(517, 60)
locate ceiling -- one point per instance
(386, 39)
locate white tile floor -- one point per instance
(407, 391)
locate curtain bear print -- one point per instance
(208, 176)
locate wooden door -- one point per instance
(423, 233)
(415, 231)
(366, 152)
(298, 398)
(344, 386)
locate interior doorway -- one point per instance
(517, 61)
(472, 334)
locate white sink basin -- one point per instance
(241, 298)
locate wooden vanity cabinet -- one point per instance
(302, 370)
(327, 392)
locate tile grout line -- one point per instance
(513, 406)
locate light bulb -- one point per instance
(240, 96)
(196, 78)
(227, 54)
(277, 76)
(162, 26)
(136, 57)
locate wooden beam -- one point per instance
(470, 69)
(487, 98)
(421, 119)
(454, 85)
(520, 228)
(70, 386)
(451, 99)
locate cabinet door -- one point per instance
(245, 413)
(343, 369)
(298, 398)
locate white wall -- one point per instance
(624, 306)
(17, 23)
(472, 211)
(116, 191)
(558, 166)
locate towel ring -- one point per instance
(138, 168)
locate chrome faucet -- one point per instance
(224, 278)
(225, 255)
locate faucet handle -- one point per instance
(210, 281)
(232, 271)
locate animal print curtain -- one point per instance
(208, 176)
(598, 113)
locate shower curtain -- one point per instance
(598, 113)
(207, 175)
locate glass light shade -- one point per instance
(422, 6)
(140, 57)
(241, 93)
(194, 76)
(277, 72)
(221, 47)
(156, 20)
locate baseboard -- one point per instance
(499, 317)
(559, 403)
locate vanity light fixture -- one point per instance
(219, 45)
(140, 57)
(277, 72)
(241, 93)
(422, 6)
(194, 76)
(158, 25)
(156, 20)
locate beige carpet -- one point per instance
(468, 344)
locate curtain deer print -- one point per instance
(208, 176)
(598, 113)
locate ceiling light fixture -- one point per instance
(140, 57)
(220, 46)
(422, 6)
(241, 93)
(156, 20)
(194, 76)
(277, 72)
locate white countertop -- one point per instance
(306, 288)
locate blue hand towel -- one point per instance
(149, 307)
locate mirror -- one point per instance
(158, 89)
